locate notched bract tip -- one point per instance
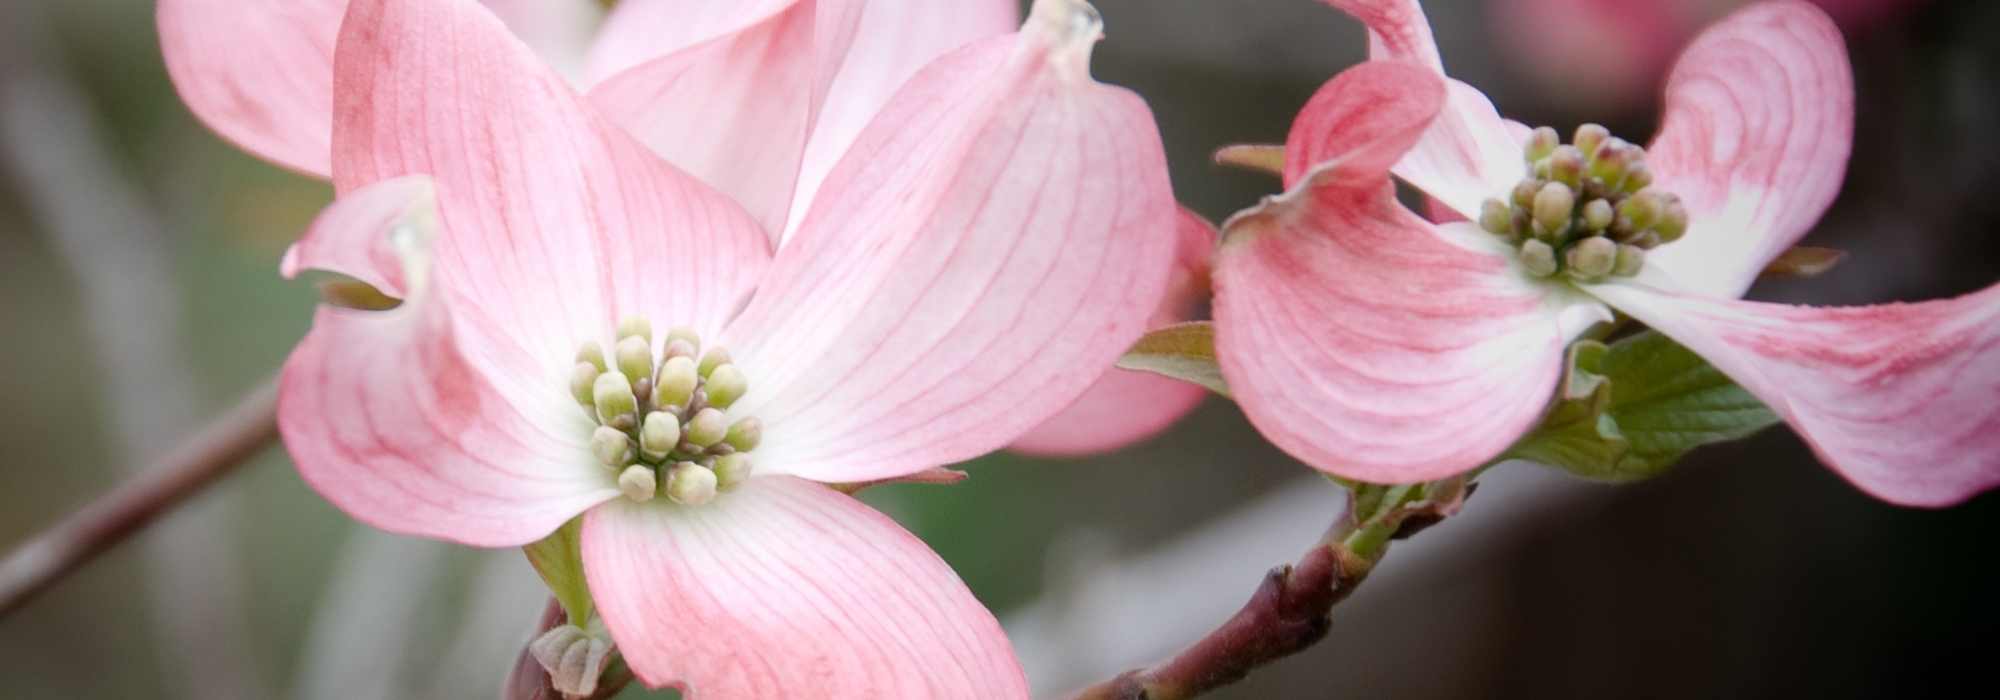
(1069, 28)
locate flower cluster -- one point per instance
(1443, 375)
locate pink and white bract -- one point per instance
(1377, 345)
(1128, 406)
(924, 309)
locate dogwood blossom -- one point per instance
(999, 232)
(1378, 345)
(716, 88)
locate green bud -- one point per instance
(1593, 188)
(1631, 259)
(745, 434)
(1673, 221)
(1588, 137)
(1612, 159)
(1597, 215)
(1566, 167)
(690, 484)
(1523, 196)
(1593, 258)
(716, 357)
(1496, 217)
(1541, 143)
(658, 435)
(639, 483)
(582, 379)
(678, 347)
(684, 333)
(612, 395)
(610, 446)
(636, 327)
(725, 385)
(635, 357)
(1538, 257)
(1642, 209)
(1637, 177)
(676, 382)
(1553, 206)
(707, 427)
(731, 470)
(592, 353)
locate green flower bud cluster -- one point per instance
(1587, 209)
(661, 425)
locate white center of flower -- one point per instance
(660, 424)
(1587, 209)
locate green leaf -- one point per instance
(1631, 410)
(559, 560)
(1799, 262)
(1184, 351)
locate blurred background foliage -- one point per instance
(1748, 571)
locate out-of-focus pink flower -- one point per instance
(994, 237)
(1373, 344)
(709, 86)
(1598, 55)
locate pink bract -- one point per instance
(923, 311)
(1128, 406)
(1377, 345)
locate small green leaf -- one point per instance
(559, 560)
(1631, 410)
(1799, 262)
(1184, 351)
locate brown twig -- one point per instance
(1290, 611)
(1293, 608)
(211, 454)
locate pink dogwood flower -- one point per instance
(716, 88)
(991, 241)
(1374, 344)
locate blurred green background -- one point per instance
(139, 294)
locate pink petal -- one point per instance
(1759, 122)
(733, 109)
(555, 223)
(353, 237)
(393, 422)
(561, 32)
(1397, 29)
(1362, 339)
(639, 31)
(258, 72)
(993, 241)
(1901, 399)
(894, 39)
(1124, 406)
(787, 589)
(1470, 154)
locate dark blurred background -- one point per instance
(138, 293)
